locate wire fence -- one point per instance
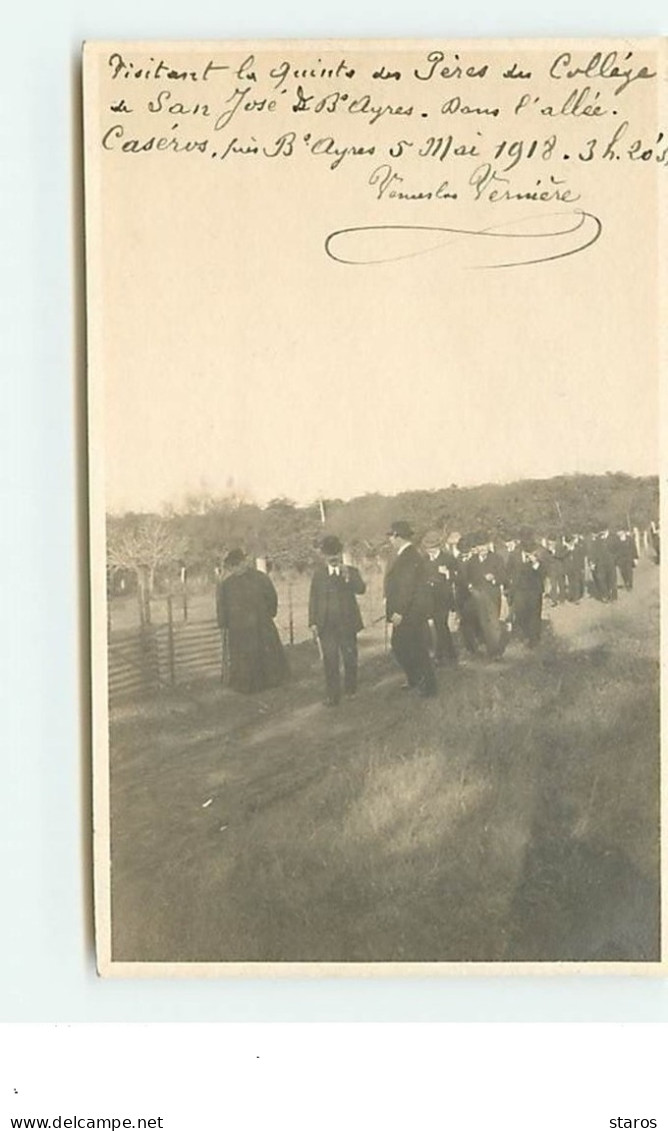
(179, 642)
(182, 643)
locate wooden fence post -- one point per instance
(144, 595)
(225, 656)
(170, 641)
(149, 657)
(291, 618)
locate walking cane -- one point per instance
(225, 656)
(377, 620)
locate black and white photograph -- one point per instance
(374, 381)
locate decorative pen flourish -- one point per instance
(387, 243)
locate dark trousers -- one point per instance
(626, 570)
(468, 624)
(445, 648)
(575, 584)
(339, 646)
(605, 581)
(527, 613)
(479, 621)
(410, 644)
(557, 577)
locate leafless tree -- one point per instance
(142, 546)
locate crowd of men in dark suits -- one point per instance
(494, 587)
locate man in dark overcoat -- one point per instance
(526, 582)
(556, 567)
(604, 566)
(626, 556)
(485, 575)
(440, 575)
(575, 568)
(334, 618)
(408, 608)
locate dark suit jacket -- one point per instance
(407, 586)
(441, 583)
(575, 560)
(625, 551)
(333, 602)
(525, 576)
(477, 571)
(602, 555)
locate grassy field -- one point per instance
(513, 818)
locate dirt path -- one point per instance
(635, 615)
(493, 822)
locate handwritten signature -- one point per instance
(531, 240)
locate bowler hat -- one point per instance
(401, 529)
(234, 558)
(331, 545)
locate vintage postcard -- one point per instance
(375, 355)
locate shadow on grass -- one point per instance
(589, 888)
(514, 818)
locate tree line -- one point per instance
(143, 548)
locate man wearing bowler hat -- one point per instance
(408, 608)
(526, 582)
(440, 577)
(335, 619)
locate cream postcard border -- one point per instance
(96, 477)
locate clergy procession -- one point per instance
(445, 596)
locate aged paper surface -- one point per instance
(350, 301)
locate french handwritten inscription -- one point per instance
(415, 134)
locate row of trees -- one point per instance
(143, 548)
